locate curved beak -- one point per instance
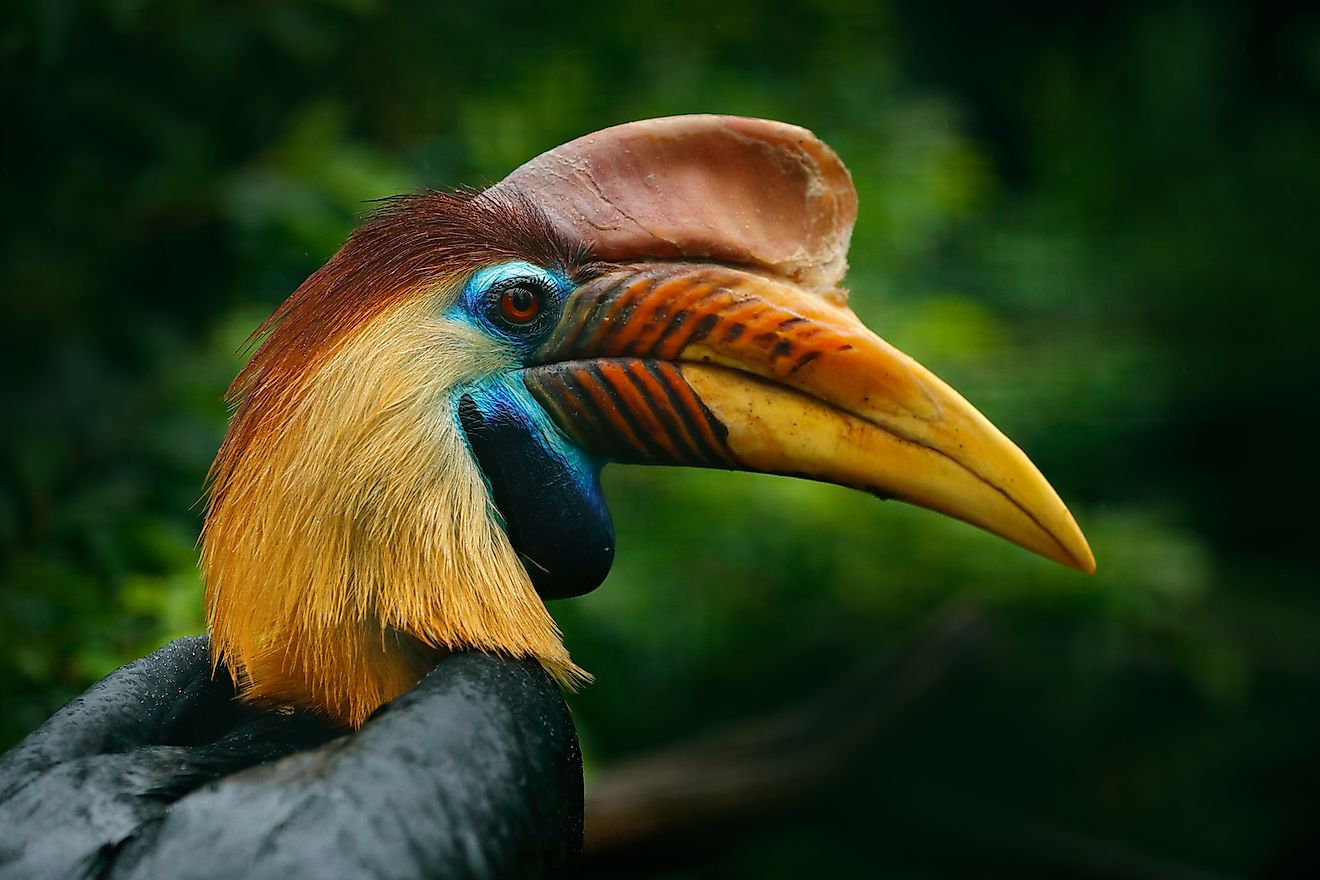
(707, 365)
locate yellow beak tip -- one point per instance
(1078, 554)
(1084, 564)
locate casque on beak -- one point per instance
(717, 335)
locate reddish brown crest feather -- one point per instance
(413, 241)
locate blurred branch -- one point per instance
(753, 767)
(757, 767)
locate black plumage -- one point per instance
(158, 771)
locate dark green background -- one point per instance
(1099, 225)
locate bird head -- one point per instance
(413, 465)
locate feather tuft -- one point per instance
(350, 539)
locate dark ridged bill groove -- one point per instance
(631, 410)
(657, 312)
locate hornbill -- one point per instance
(413, 468)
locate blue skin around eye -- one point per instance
(546, 489)
(471, 304)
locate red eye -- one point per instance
(520, 305)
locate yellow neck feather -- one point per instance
(353, 539)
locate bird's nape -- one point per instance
(414, 464)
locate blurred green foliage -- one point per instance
(1099, 225)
